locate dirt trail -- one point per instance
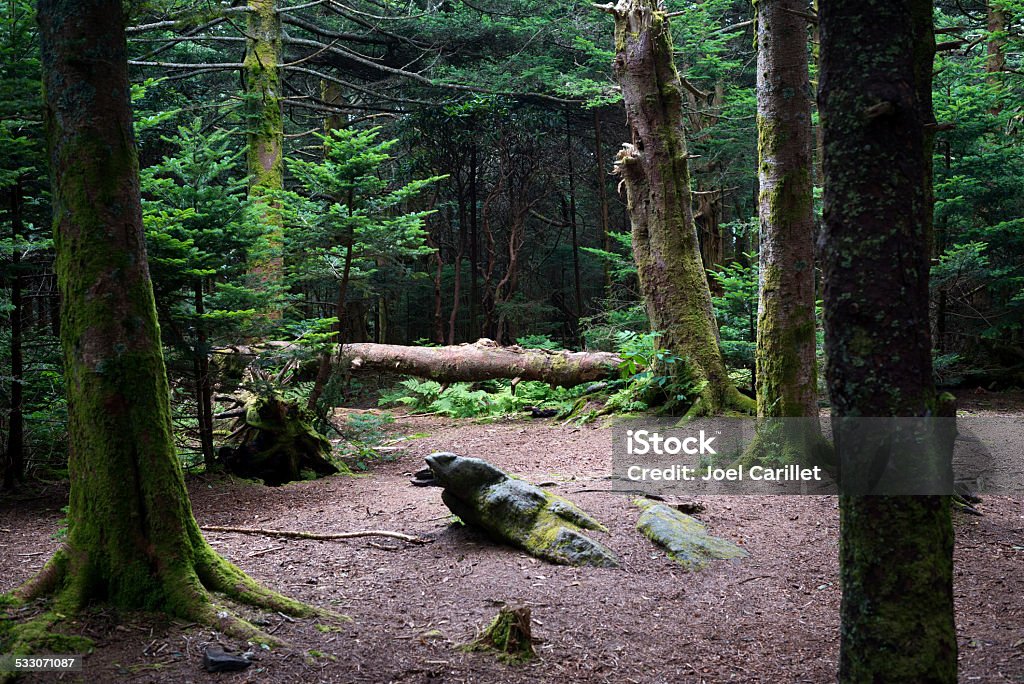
(770, 618)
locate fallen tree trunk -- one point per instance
(482, 360)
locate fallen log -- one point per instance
(482, 360)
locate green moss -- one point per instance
(509, 635)
(684, 538)
(327, 629)
(36, 637)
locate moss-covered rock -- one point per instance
(684, 538)
(514, 511)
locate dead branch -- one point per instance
(298, 534)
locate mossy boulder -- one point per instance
(684, 538)
(514, 511)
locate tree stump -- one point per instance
(509, 635)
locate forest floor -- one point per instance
(772, 617)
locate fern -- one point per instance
(465, 400)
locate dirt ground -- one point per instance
(772, 617)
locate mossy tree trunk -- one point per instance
(896, 553)
(654, 170)
(132, 540)
(265, 146)
(786, 367)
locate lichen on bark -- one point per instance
(896, 553)
(265, 144)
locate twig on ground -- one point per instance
(261, 552)
(298, 534)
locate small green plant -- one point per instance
(538, 342)
(363, 434)
(62, 526)
(736, 311)
(486, 399)
(650, 375)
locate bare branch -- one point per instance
(182, 21)
(184, 65)
(812, 18)
(420, 78)
(295, 534)
(334, 35)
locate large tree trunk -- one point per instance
(482, 360)
(132, 540)
(265, 144)
(654, 170)
(786, 366)
(896, 553)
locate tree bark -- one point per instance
(995, 61)
(265, 145)
(656, 176)
(482, 360)
(785, 356)
(132, 540)
(896, 553)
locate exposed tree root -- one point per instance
(298, 534)
(721, 401)
(784, 441)
(187, 590)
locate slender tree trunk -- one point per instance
(602, 194)
(474, 251)
(577, 287)
(13, 468)
(265, 147)
(438, 299)
(995, 62)
(204, 385)
(453, 317)
(654, 169)
(896, 553)
(786, 366)
(332, 94)
(132, 540)
(490, 298)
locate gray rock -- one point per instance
(514, 511)
(684, 538)
(216, 660)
